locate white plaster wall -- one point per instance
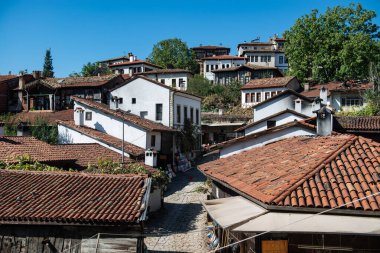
(280, 120)
(211, 76)
(69, 136)
(259, 62)
(147, 95)
(182, 100)
(114, 126)
(263, 140)
(168, 77)
(158, 141)
(272, 107)
(262, 91)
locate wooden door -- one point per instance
(274, 246)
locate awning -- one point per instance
(233, 210)
(309, 223)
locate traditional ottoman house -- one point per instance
(212, 63)
(174, 78)
(259, 90)
(72, 212)
(299, 194)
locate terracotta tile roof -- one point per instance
(209, 47)
(268, 82)
(67, 155)
(71, 198)
(71, 82)
(7, 77)
(270, 117)
(134, 119)
(224, 57)
(357, 124)
(165, 71)
(133, 63)
(126, 58)
(105, 138)
(314, 90)
(321, 172)
(245, 138)
(50, 117)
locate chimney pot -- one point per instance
(151, 158)
(324, 121)
(306, 86)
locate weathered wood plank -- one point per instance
(7, 244)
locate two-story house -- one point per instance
(175, 78)
(219, 62)
(270, 54)
(259, 90)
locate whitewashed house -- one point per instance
(219, 62)
(288, 99)
(97, 123)
(338, 95)
(269, 54)
(259, 90)
(174, 78)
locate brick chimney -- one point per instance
(36, 74)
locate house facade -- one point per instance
(209, 64)
(259, 90)
(269, 54)
(208, 51)
(174, 78)
(244, 73)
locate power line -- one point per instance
(308, 217)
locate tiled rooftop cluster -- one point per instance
(268, 82)
(70, 198)
(365, 124)
(320, 172)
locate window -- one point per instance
(269, 58)
(178, 114)
(216, 66)
(228, 65)
(207, 68)
(256, 58)
(153, 141)
(281, 59)
(162, 81)
(267, 95)
(247, 98)
(352, 101)
(271, 123)
(252, 97)
(184, 113)
(158, 111)
(258, 97)
(262, 58)
(133, 100)
(273, 93)
(181, 82)
(197, 116)
(212, 67)
(120, 101)
(174, 83)
(223, 66)
(192, 115)
(88, 115)
(286, 59)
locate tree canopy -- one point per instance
(92, 69)
(339, 44)
(173, 53)
(48, 65)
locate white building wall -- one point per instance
(69, 136)
(280, 120)
(114, 126)
(263, 140)
(181, 100)
(219, 63)
(167, 79)
(252, 59)
(147, 95)
(246, 104)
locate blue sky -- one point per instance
(84, 31)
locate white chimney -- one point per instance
(21, 82)
(131, 57)
(79, 116)
(298, 105)
(151, 158)
(306, 86)
(323, 94)
(324, 121)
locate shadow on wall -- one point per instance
(65, 137)
(99, 127)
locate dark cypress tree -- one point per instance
(48, 65)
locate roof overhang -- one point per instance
(232, 211)
(312, 223)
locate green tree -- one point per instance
(337, 45)
(44, 131)
(200, 86)
(173, 53)
(92, 69)
(48, 65)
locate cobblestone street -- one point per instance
(182, 217)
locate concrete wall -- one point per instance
(280, 120)
(265, 139)
(147, 95)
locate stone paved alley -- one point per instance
(182, 214)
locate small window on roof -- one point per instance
(271, 123)
(88, 115)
